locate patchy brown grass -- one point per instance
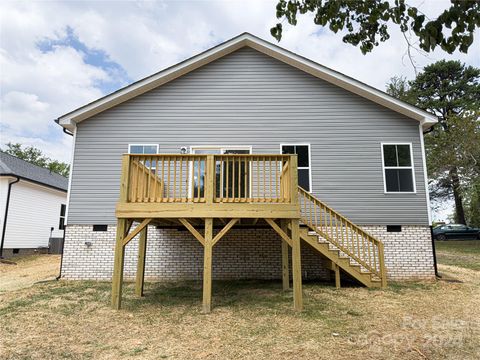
(24, 271)
(460, 253)
(250, 320)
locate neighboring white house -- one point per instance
(32, 205)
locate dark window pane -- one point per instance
(61, 225)
(389, 155)
(391, 180)
(62, 209)
(288, 149)
(136, 149)
(403, 152)
(150, 149)
(405, 180)
(302, 152)
(304, 178)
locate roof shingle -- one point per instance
(11, 165)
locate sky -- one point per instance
(58, 56)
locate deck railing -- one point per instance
(194, 178)
(350, 239)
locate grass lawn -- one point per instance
(250, 320)
(464, 254)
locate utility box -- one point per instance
(55, 245)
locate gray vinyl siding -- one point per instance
(248, 98)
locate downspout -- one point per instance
(6, 215)
(65, 228)
(434, 253)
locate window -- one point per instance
(61, 225)
(242, 177)
(143, 149)
(304, 168)
(398, 168)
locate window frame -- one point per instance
(130, 147)
(61, 225)
(309, 160)
(192, 149)
(411, 168)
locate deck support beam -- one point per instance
(136, 231)
(207, 266)
(296, 266)
(285, 265)
(336, 269)
(193, 231)
(142, 251)
(117, 277)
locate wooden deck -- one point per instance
(203, 191)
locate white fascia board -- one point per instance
(317, 70)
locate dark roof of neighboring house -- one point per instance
(11, 165)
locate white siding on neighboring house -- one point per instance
(33, 210)
(4, 181)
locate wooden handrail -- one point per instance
(349, 238)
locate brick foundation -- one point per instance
(177, 255)
(241, 254)
(408, 254)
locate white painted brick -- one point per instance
(241, 254)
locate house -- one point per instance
(32, 206)
(253, 159)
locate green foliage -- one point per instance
(366, 22)
(35, 156)
(450, 90)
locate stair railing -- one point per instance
(349, 238)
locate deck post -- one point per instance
(296, 266)
(285, 265)
(207, 266)
(117, 277)
(336, 269)
(142, 250)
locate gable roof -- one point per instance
(13, 166)
(69, 120)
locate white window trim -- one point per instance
(412, 168)
(309, 160)
(130, 146)
(221, 148)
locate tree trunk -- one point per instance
(459, 211)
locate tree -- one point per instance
(450, 90)
(367, 22)
(35, 156)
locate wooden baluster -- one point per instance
(316, 218)
(155, 180)
(264, 179)
(257, 183)
(180, 181)
(277, 193)
(227, 186)
(369, 252)
(245, 178)
(341, 230)
(174, 163)
(239, 182)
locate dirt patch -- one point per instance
(28, 270)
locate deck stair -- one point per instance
(345, 244)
